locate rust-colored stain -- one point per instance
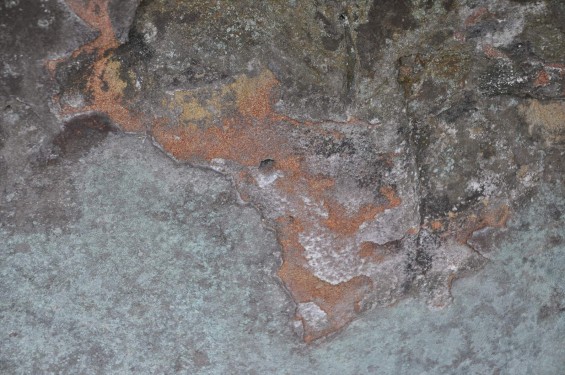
(236, 122)
(234, 133)
(494, 216)
(542, 79)
(254, 134)
(340, 302)
(436, 225)
(104, 83)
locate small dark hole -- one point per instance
(267, 164)
(342, 17)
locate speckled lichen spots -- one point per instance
(103, 82)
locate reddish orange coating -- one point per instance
(542, 79)
(96, 14)
(246, 130)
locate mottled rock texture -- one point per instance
(331, 160)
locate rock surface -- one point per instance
(331, 161)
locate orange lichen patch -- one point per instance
(340, 222)
(413, 231)
(104, 84)
(250, 96)
(254, 95)
(436, 225)
(297, 180)
(391, 196)
(232, 140)
(94, 13)
(107, 97)
(253, 133)
(192, 108)
(494, 217)
(234, 123)
(340, 302)
(542, 79)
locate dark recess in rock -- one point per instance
(267, 164)
(81, 134)
(332, 41)
(436, 206)
(134, 51)
(419, 263)
(385, 18)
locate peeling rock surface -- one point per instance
(282, 186)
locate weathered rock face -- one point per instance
(369, 201)
(380, 140)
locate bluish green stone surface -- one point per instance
(115, 259)
(163, 272)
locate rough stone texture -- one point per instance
(356, 186)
